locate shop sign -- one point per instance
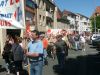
(11, 14)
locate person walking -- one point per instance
(6, 55)
(76, 39)
(82, 42)
(61, 51)
(45, 45)
(17, 55)
(35, 54)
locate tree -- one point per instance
(96, 21)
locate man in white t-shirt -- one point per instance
(82, 41)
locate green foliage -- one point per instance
(95, 21)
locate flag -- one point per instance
(28, 27)
(12, 14)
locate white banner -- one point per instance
(11, 14)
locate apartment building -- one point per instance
(72, 19)
(78, 22)
(82, 23)
(30, 18)
(46, 15)
(31, 14)
(97, 11)
(95, 14)
(60, 24)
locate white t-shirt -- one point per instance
(82, 39)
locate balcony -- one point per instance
(32, 27)
(48, 14)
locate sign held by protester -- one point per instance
(11, 14)
(54, 31)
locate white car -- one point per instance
(94, 36)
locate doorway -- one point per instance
(14, 32)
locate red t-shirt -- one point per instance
(45, 43)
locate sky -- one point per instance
(84, 7)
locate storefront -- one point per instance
(13, 32)
(30, 14)
(18, 24)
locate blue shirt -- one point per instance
(36, 47)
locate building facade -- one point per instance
(30, 18)
(39, 14)
(72, 19)
(95, 14)
(46, 15)
(97, 11)
(82, 24)
(30, 14)
(60, 24)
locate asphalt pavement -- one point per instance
(78, 63)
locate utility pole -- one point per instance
(95, 22)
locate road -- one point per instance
(78, 63)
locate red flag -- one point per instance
(28, 27)
(49, 31)
(17, 1)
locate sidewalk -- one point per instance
(2, 67)
(47, 70)
(74, 58)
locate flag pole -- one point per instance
(23, 15)
(24, 30)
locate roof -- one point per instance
(83, 15)
(59, 14)
(52, 3)
(65, 13)
(98, 9)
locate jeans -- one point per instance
(36, 68)
(18, 66)
(61, 59)
(76, 45)
(45, 53)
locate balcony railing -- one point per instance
(48, 14)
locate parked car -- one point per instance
(98, 46)
(94, 37)
(96, 41)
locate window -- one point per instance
(40, 20)
(30, 17)
(43, 20)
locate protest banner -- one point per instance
(12, 14)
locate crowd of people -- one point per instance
(36, 49)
